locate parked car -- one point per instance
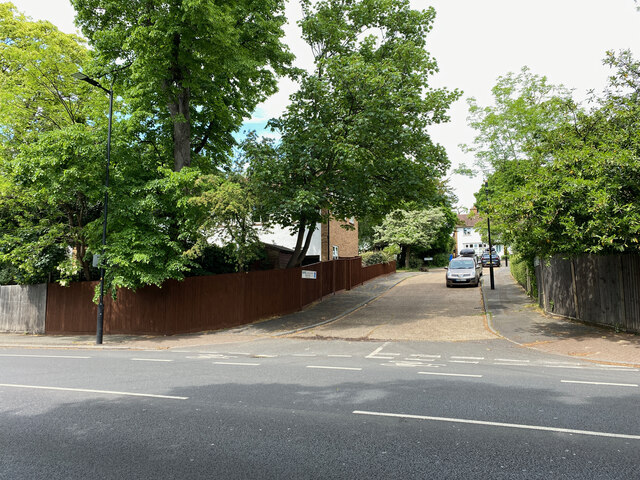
(463, 271)
(487, 258)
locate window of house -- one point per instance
(466, 231)
(335, 252)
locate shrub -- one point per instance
(373, 258)
(519, 267)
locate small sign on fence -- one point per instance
(309, 274)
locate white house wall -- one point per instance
(282, 237)
(468, 237)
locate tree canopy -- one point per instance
(564, 178)
(354, 140)
(413, 228)
(195, 68)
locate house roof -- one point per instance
(468, 219)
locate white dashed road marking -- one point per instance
(86, 390)
(450, 374)
(500, 424)
(601, 383)
(237, 363)
(150, 360)
(334, 368)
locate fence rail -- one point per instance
(203, 303)
(596, 289)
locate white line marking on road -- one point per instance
(561, 363)
(334, 368)
(500, 424)
(413, 364)
(344, 356)
(377, 350)
(265, 356)
(41, 356)
(601, 383)
(513, 364)
(424, 355)
(468, 358)
(151, 360)
(380, 357)
(304, 355)
(237, 363)
(510, 360)
(574, 367)
(450, 374)
(86, 390)
(464, 361)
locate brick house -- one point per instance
(329, 241)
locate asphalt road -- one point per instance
(298, 408)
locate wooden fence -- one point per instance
(603, 290)
(203, 303)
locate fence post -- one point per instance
(623, 303)
(575, 288)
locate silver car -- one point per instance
(463, 271)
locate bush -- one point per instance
(519, 267)
(440, 259)
(373, 258)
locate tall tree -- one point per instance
(354, 140)
(408, 229)
(49, 155)
(196, 67)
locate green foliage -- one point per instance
(196, 67)
(521, 269)
(229, 205)
(373, 258)
(415, 228)
(353, 140)
(563, 179)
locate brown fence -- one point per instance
(595, 289)
(203, 303)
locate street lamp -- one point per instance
(493, 286)
(91, 81)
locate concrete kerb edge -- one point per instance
(345, 313)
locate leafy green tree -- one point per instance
(574, 187)
(409, 229)
(48, 153)
(230, 204)
(354, 140)
(196, 68)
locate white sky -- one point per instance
(474, 42)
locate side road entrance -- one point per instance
(420, 308)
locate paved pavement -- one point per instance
(516, 317)
(510, 314)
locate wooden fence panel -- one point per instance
(607, 289)
(630, 275)
(311, 290)
(202, 303)
(71, 309)
(23, 308)
(558, 287)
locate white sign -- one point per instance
(309, 274)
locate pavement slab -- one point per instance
(516, 317)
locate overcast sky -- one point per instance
(475, 42)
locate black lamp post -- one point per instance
(91, 81)
(493, 286)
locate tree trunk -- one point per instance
(298, 248)
(179, 110)
(301, 250)
(406, 256)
